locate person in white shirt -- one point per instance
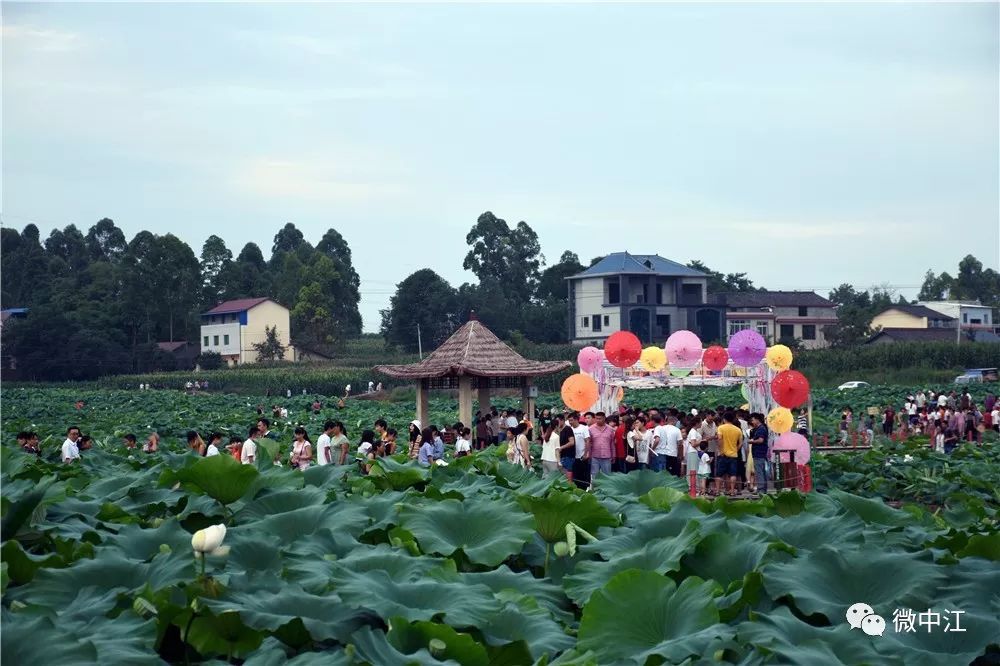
(214, 440)
(324, 448)
(691, 444)
(463, 445)
(371, 386)
(581, 434)
(666, 438)
(248, 455)
(995, 417)
(511, 421)
(942, 399)
(70, 451)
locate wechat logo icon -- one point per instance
(862, 616)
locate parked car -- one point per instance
(977, 376)
(850, 385)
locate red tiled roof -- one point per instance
(239, 305)
(473, 350)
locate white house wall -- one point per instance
(220, 331)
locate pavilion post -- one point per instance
(465, 399)
(527, 400)
(484, 397)
(423, 410)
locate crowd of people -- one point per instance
(946, 418)
(726, 449)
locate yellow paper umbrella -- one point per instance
(653, 359)
(579, 392)
(780, 420)
(779, 357)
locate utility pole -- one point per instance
(420, 346)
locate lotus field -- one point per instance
(132, 558)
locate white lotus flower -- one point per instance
(209, 540)
(907, 458)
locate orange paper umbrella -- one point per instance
(579, 392)
(790, 388)
(622, 349)
(779, 420)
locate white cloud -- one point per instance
(41, 39)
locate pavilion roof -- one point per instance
(473, 350)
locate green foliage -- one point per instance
(271, 348)
(424, 565)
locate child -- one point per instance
(869, 428)
(939, 441)
(843, 428)
(704, 468)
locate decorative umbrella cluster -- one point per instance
(681, 354)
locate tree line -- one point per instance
(98, 304)
(517, 296)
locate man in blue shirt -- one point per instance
(759, 449)
(425, 457)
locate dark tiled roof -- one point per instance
(171, 346)
(921, 311)
(780, 299)
(473, 350)
(617, 263)
(930, 335)
(239, 305)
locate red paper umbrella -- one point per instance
(622, 349)
(715, 358)
(790, 388)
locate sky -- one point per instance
(804, 144)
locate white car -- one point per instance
(850, 385)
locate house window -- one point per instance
(737, 325)
(597, 323)
(215, 340)
(586, 322)
(225, 339)
(976, 320)
(614, 293)
(808, 331)
(787, 332)
(206, 341)
(803, 311)
(659, 294)
(607, 320)
(965, 317)
(762, 328)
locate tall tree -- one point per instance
(179, 285)
(552, 284)
(106, 242)
(216, 261)
(288, 239)
(68, 245)
(312, 320)
(935, 287)
(346, 292)
(423, 299)
(509, 258)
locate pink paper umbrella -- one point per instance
(589, 359)
(683, 349)
(747, 348)
(793, 441)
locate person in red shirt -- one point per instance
(619, 463)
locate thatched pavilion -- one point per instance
(473, 358)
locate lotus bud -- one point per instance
(165, 549)
(208, 539)
(561, 548)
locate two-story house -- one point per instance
(642, 293)
(969, 315)
(234, 327)
(780, 315)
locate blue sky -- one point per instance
(807, 145)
